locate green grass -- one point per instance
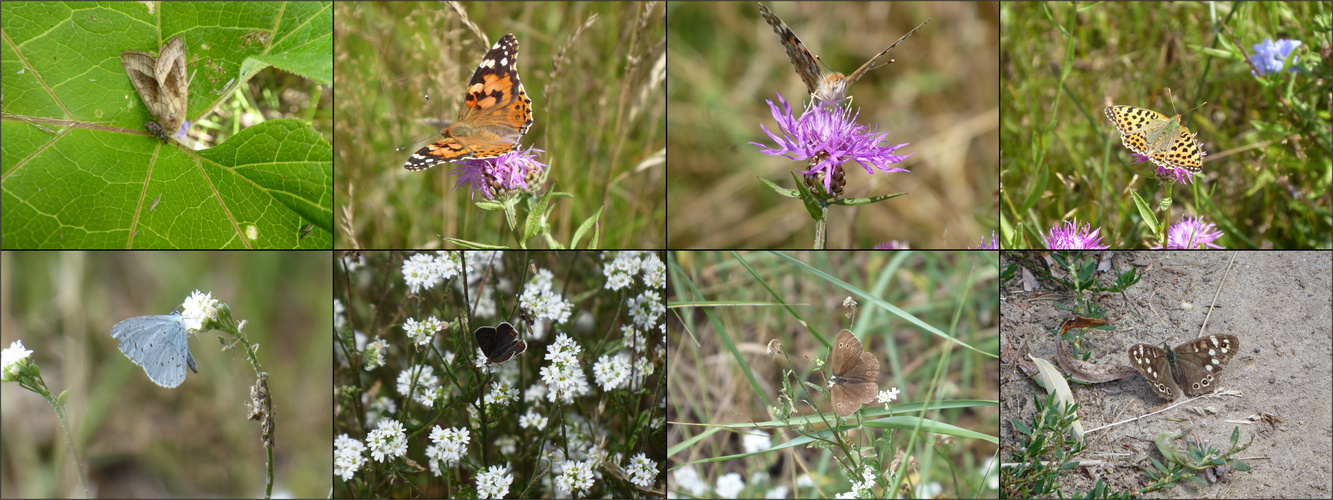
(1267, 172)
(939, 96)
(597, 106)
(929, 317)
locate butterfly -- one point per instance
(162, 84)
(826, 87)
(496, 113)
(1154, 135)
(499, 343)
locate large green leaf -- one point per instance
(77, 169)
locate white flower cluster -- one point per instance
(494, 482)
(540, 299)
(387, 441)
(427, 385)
(424, 270)
(563, 376)
(348, 456)
(422, 332)
(449, 446)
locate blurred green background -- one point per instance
(1266, 176)
(940, 96)
(597, 103)
(140, 440)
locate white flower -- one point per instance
(729, 485)
(494, 482)
(620, 271)
(10, 357)
(198, 308)
(755, 440)
(421, 271)
(563, 377)
(888, 396)
(687, 478)
(646, 308)
(375, 354)
(389, 440)
(542, 301)
(654, 272)
(426, 384)
(449, 446)
(502, 393)
(611, 371)
(421, 332)
(576, 477)
(642, 471)
(348, 456)
(531, 420)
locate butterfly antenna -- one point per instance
(895, 44)
(423, 139)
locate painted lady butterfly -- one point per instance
(826, 87)
(496, 113)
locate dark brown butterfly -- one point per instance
(855, 374)
(501, 342)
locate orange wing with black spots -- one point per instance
(496, 113)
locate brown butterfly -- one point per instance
(162, 84)
(855, 375)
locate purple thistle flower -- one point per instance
(893, 245)
(828, 134)
(993, 245)
(1068, 236)
(1166, 174)
(502, 176)
(1269, 56)
(1191, 233)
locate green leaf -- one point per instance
(1145, 210)
(583, 229)
(790, 193)
(78, 169)
(536, 223)
(473, 245)
(854, 202)
(812, 205)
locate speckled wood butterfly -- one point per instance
(1192, 366)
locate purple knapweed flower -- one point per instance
(501, 176)
(1269, 57)
(993, 245)
(828, 134)
(1068, 236)
(1191, 233)
(1177, 174)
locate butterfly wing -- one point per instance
(161, 83)
(805, 64)
(158, 344)
(496, 113)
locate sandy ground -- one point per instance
(1278, 304)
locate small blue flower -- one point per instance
(1269, 57)
(828, 134)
